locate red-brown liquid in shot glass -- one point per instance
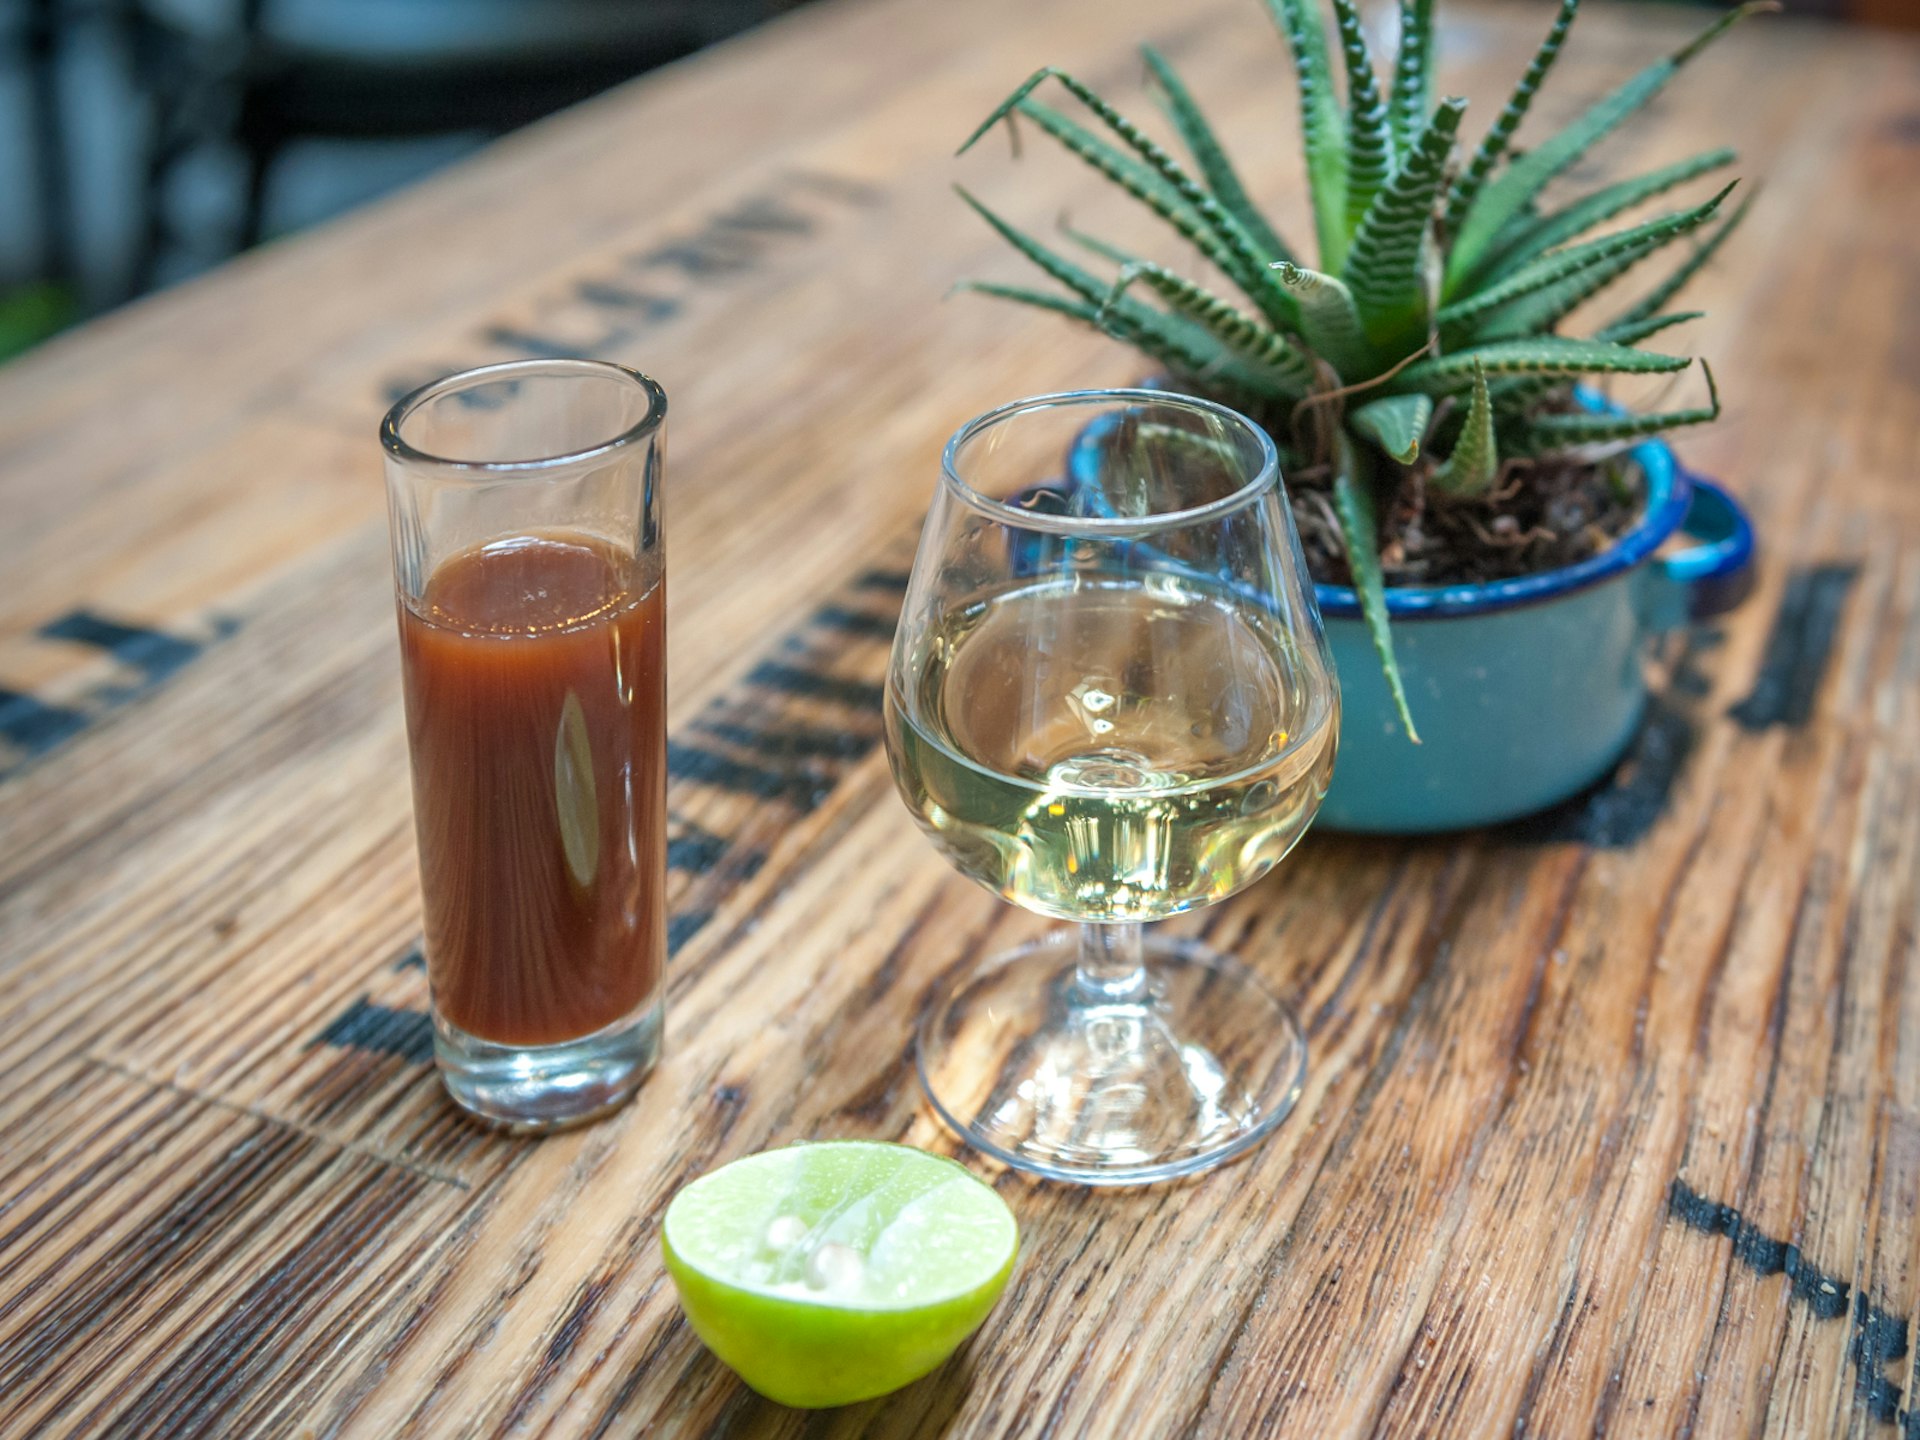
(536, 694)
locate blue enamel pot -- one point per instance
(1525, 691)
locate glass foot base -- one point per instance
(1073, 1082)
(532, 1088)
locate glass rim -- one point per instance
(399, 448)
(1265, 478)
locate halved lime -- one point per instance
(834, 1272)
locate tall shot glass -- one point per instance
(528, 563)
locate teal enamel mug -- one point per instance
(1525, 691)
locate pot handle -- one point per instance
(1716, 574)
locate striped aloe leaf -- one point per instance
(1369, 137)
(1493, 146)
(1550, 433)
(1396, 424)
(1540, 355)
(1632, 332)
(1410, 103)
(1475, 461)
(1353, 503)
(1173, 340)
(1662, 294)
(1241, 258)
(1241, 333)
(1383, 267)
(1505, 198)
(1222, 179)
(1537, 236)
(1323, 127)
(1609, 256)
(1137, 181)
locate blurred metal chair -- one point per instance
(266, 74)
(34, 27)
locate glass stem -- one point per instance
(1112, 969)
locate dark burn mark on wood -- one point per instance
(1826, 1295)
(33, 727)
(735, 241)
(524, 344)
(795, 744)
(1879, 1339)
(841, 188)
(154, 653)
(683, 927)
(1798, 648)
(857, 622)
(893, 582)
(1879, 1336)
(731, 242)
(693, 848)
(792, 680)
(609, 295)
(382, 1030)
(707, 767)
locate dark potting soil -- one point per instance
(1540, 515)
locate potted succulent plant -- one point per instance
(1482, 529)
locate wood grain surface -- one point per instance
(1613, 1120)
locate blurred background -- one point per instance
(142, 141)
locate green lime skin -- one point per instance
(813, 1353)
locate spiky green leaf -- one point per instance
(1514, 395)
(1632, 332)
(1328, 321)
(1545, 434)
(1173, 340)
(1322, 125)
(1475, 461)
(1038, 299)
(1292, 370)
(1112, 162)
(1353, 503)
(1215, 168)
(1542, 355)
(1493, 145)
(1412, 73)
(1396, 424)
(1369, 137)
(1606, 257)
(1231, 247)
(1384, 266)
(1506, 197)
(1663, 293)
(1136, 180)
(1529, 238)
(1105, 249)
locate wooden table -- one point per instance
(1613, 1119)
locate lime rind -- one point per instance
(832, 1273)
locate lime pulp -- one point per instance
(834, 1272)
